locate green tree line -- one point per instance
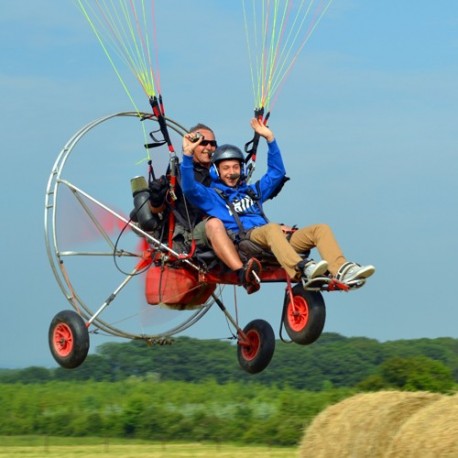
(332, 361)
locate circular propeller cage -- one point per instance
(90, 245)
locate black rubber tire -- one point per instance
(256, 356)
(304, 322)
(68, 339)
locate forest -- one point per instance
(332, 361)
(194, 390)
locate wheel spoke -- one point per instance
(298, 314)
(251, 349)
(63, 340)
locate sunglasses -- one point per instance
(209, 142)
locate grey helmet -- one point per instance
(227, 152)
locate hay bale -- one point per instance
(363, 425)
(430, 432)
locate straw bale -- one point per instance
(363, 425)
(430, 432)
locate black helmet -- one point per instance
(227, 152)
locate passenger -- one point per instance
(239, 207)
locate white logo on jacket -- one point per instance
(241, 206)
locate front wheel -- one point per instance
(68, 339)
(304, 316)
(255, 352)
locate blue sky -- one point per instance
(366, 122)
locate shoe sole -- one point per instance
(321, 269)
(362, 274)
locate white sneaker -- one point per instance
(315, 269)
(351, 271)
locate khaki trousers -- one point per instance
(319, 236)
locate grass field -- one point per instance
(50, 447)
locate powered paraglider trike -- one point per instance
(98, 256)
(100, 250)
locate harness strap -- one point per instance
(151, 176)
(186, 222)
(222, 194)
(243, 233)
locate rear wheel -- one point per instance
(68, 339)
(304, 316)
(255, 353)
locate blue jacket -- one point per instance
(208, 199)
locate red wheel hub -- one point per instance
(298, 314)
(63, 340)
(250, 347)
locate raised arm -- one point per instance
(261, 129)
(271, 181)
(196, 192)
(190, 142)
